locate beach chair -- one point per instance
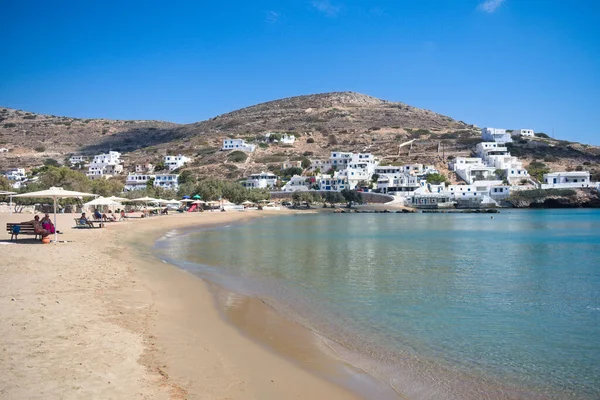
(89, 224)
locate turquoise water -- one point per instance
(438, 305)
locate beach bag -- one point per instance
(16, 229)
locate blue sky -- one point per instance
(500, 63)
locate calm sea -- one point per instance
(441, 306)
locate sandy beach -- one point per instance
(101, 317)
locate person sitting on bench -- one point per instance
(47, 224)
(83, 220)
(37, 226)
(97, 215)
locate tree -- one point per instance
(303, 197)
(51, 162)
(64, 177)
(436, 178)
(150, 184)
(351, 197)
(5, 184)
(106, 187)
(374, 178)
(537, 169)
(306, 163)
(333, 198)
(289, 172)
(160, 166)
(237, 156)
(186, 177)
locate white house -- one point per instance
(336, 182)
(105, 165)
(74, 160)
(144, 168)
(472, 169)
(498, 157)
(523, 132)
(167, 181)
(291, 164)
(299, 183)
(288, 139)
(394, 179)
(238, 144)
(495, 135)
(575, 179)
(263, 180)
(360, 167)
(174, 162)
(140, 181)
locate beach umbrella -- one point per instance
(118, 199)
(187, 201)
(173, 201)
(196, 197)
(55, 193)
(198, 202)
(145, 200)
(247, 202)
(160, 201)
(186, 197)
(102, 201)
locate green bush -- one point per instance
(10, 125)
(309, 140)
(542, 135)
(40, 149)
(537, 169)
(237, 156)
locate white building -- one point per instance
(360, 167)
(140, 181)
(288, 139)
(74, 160)
(523, 132)
(495, 135)
(167, 181)
(299, 183)
(174, 162)
(264, 180)
(105, 165)
(336, 182)
(238, 144)
(575, 179)
(3, 150)
(394, 179)
(471, 169)
(291, 164)
(144, 168)
(498, 157)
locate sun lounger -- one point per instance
(89, 224)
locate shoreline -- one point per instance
(89, 318)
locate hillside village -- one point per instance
(436, 162)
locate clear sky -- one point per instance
(500, 63)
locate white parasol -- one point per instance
(55, 193)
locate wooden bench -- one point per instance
(24, 229)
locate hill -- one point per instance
(339, 121)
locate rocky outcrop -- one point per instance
(556, 198)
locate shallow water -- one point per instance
(438, 305)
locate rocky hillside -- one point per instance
(343, 121)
